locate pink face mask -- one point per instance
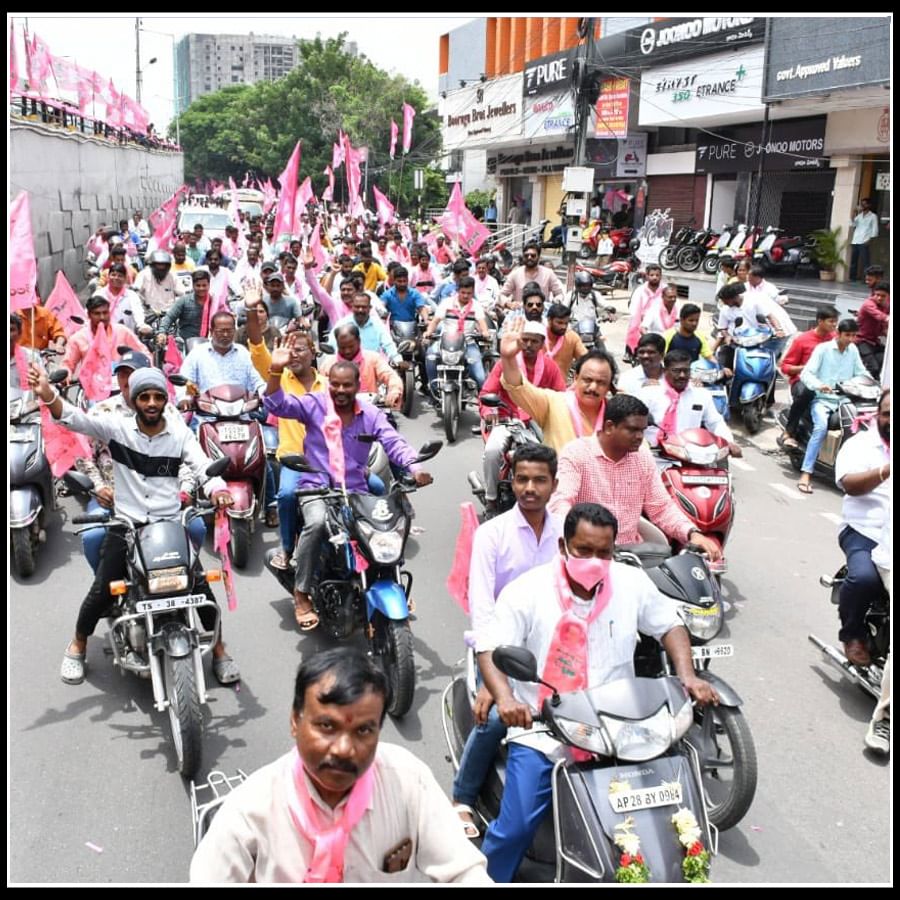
(586, 572)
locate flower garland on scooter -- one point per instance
(633, 868)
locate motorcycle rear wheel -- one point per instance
(409, 392)
(689, 259)
(752, 416)
(450, 416)
(727, 763)
(23, 561)
(710, 265)
(667, 259)
(240, 542)
(394, 644)
(185, 716)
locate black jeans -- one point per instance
(872, 357)
(803, 397)
(859, 260)
(862, 585)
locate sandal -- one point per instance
(279, 560)
(788, 443)
(804, 488)
(307, 619)
(470, 829)
(226, 670)
(72, 669)
(271, 517)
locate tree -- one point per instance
(255, 127)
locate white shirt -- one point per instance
(865, 513)
(748, 311)
(253, 838)
(487, 291)
(652, 320)
(632, 381)
(865, 227)
(696, 409)
(452, 305)
(768, 306)
(528, 611)
(129, 309)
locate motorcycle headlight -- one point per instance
(636, 741)
(232, 408)
(451, 357)
(162, 581)
(684, 718)
(584, 736)
(703, 623)
(386, 546)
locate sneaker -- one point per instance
(878, 737)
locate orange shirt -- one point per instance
(47, 328)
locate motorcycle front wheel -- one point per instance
(22, 552)
(689, 259)
(752, 416)
(409, 391)
(668, 258)
(728, 764)
(585, 252)
(394, 645)
(240, 542)
(185, 716)
(450, 415)
(711, 265)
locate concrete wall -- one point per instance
(77, 183)
(467, 49)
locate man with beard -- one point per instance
(81, 342)
(147, 450)
(863, 471)
(642, 299)
(512, 290)
(563, 345)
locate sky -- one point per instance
(404, 45)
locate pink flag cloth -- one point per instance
(234, 213)
(219, 302)
(271, 196)
(305, 194)
(395, 133)
(22, 264)
(383, 207)
(164, 220)
(15, 81)
(63, 302)
(352, 160)
(405, 233)
(360, 563)
(38, 64)
(328, 193)
(95, 373)
(458, 579)
(317, 250)
(669, 424)
(334, 439)
(408, 115)
(172, 363)
(358, 210)
(221, 540)
(284, 215)
(460, 225)
(328, 837)
(337, 155)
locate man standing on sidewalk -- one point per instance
(865, 230)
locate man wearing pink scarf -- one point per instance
(340, 807)
(641, 300)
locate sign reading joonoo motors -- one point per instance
(483, 113)
(719, 85)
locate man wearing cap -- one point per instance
(98, 311)
(538, 369)
(279, 304)
(147, 442)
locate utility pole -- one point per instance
(137, 59)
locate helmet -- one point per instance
(583, 280)
(160, 257)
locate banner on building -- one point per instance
(612, 108)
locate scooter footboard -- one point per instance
(586, 815)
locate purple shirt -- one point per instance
(310, 410)
(505, 548)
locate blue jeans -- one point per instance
(527, 796)
(863, 584)
(820, 413)
(478, 755)
(473, 362)
(859, 260)
(93, 537)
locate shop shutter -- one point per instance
(678, 194)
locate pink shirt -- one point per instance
(80, 342)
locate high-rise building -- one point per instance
(205, 63)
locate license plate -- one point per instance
(230, 433)
(704, 479)
(646, 798)
(716, 652)
(450, 368)
(165, 603)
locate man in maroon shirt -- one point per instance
(542, 372)
(795, 359)
(873, 318)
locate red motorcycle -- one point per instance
(698, 479)
(618, 274)
(232, 434)
(590, 240)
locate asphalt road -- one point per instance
(93, 792)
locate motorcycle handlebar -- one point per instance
(91, 519)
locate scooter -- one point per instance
(778, 253)
(31, 491)
(710, 375)
(754, 372)
(858, 406)
(710, 264)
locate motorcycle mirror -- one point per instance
(78, 483)
(79, 321)
(429, 450)
(516, 662)
(297, 462)
(122, 349)
(327, 349)
(218, 467)
(178, 380)
(366, 438)
(491, 400)
(738, 321)
(57, 376)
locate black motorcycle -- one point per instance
(154, 629)
(406, 334)
(359, 580)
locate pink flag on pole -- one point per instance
(383, 207)
(284, 215)
(305, 194)
(64, 304)
(316, 248)
(15, 81)
(38, 65)
(221, 540)
(408, 115)
(114, 106)
(22, 264)
(95, 373)
(358, 210)
(337, 152)
(172, 363)
(354, 173)
(395, 133)
(271, 196)
(460, 225)
(63, 447)
(328, 193)
(458, 579)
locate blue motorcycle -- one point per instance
(754, 372)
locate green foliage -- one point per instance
(829, 250)
(255, 127)
(479, 198)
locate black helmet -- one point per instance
(160, 257)
(583, 279)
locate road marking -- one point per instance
(834, 518)
(743, 466)
(792, 494)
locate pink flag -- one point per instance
(315, 247)
(15, 81)
(460, 225)
(172, 363)
(337, 152)
(383, 207)
(233, 207)
(408, 115)
(458, 579)
(219, 303)
(164, 220)
(64, 304)
(38, 64)
(114, 106)
(22, 264)
(95, 373)
(284, 215)
(271, 196)
(395, 132)
(221, 540)
(405, 233)
(352, 159)
(305, 194)
(63, 447)
(328, 193)
(358, 210)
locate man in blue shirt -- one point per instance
(448, 288)
(372, 331)
(402, 301)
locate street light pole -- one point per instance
(137, 59)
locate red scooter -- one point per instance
(698, 479)
(234, 435)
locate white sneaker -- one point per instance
(878, 737)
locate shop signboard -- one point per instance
(625, 158)
(482, 113)
(513, 162)
(612, 108)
